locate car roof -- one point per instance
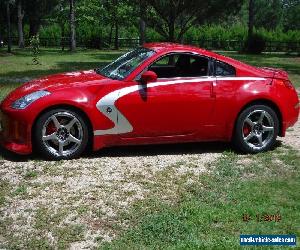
(166, 46)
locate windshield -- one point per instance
(124, 65)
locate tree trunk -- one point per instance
(61, 22)
(62, 27)
(116, 35)
(116, 23)
(110, 35)
(171, 25)
(21, 42)
(34, 26)
(8, 28)
(171, 32)
(72, 26)
(251, 18)
(142, 31)
(181, 39)
(142, 25)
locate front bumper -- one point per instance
(15, 134)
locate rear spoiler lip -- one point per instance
(270, 69)
(276, 73)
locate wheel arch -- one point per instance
(265, 102)
(72, 108)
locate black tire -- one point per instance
(47, 148)
(251, 143)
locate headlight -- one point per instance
(23, 102)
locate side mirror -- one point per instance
(148, 76)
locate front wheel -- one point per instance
(256, 129)
(61, 134)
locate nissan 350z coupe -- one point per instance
(158, 93)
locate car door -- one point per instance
(179, 103)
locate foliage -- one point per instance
(239, 32)
(89, 35)
(268, 14)
(172, 19)
(35, 49)
(273, 14)
(35, 11)
(292, 14)
(99, 22)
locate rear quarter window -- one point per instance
(224, 69)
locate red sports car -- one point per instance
(158, 93)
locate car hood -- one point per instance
(59, 81)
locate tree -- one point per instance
(267, 14)
(117, 12)
(142, 23)
(21, 42)
(272, 14)
(61, 20)
(36, 10)
(72, 26)
(91, 17)
(8, 26)
(173, 18)
(291, 12)
(251, 18)
(116, 23)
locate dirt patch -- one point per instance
(292, 137)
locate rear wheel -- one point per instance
(256, 129)
(61, 134)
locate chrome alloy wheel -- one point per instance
(62, 134)
(258, 129)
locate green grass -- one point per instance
(30, 175)
(209, 213)
(18, 68)
(21, 190)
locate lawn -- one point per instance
(196, 196)
(18, 68)
(238, 197)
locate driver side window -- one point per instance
(180, 65)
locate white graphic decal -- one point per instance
(106, 105)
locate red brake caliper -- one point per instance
(246, 130)
(50, 128)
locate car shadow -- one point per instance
(161, 149)
(129, 151)
(169, 149)
(140, 150)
